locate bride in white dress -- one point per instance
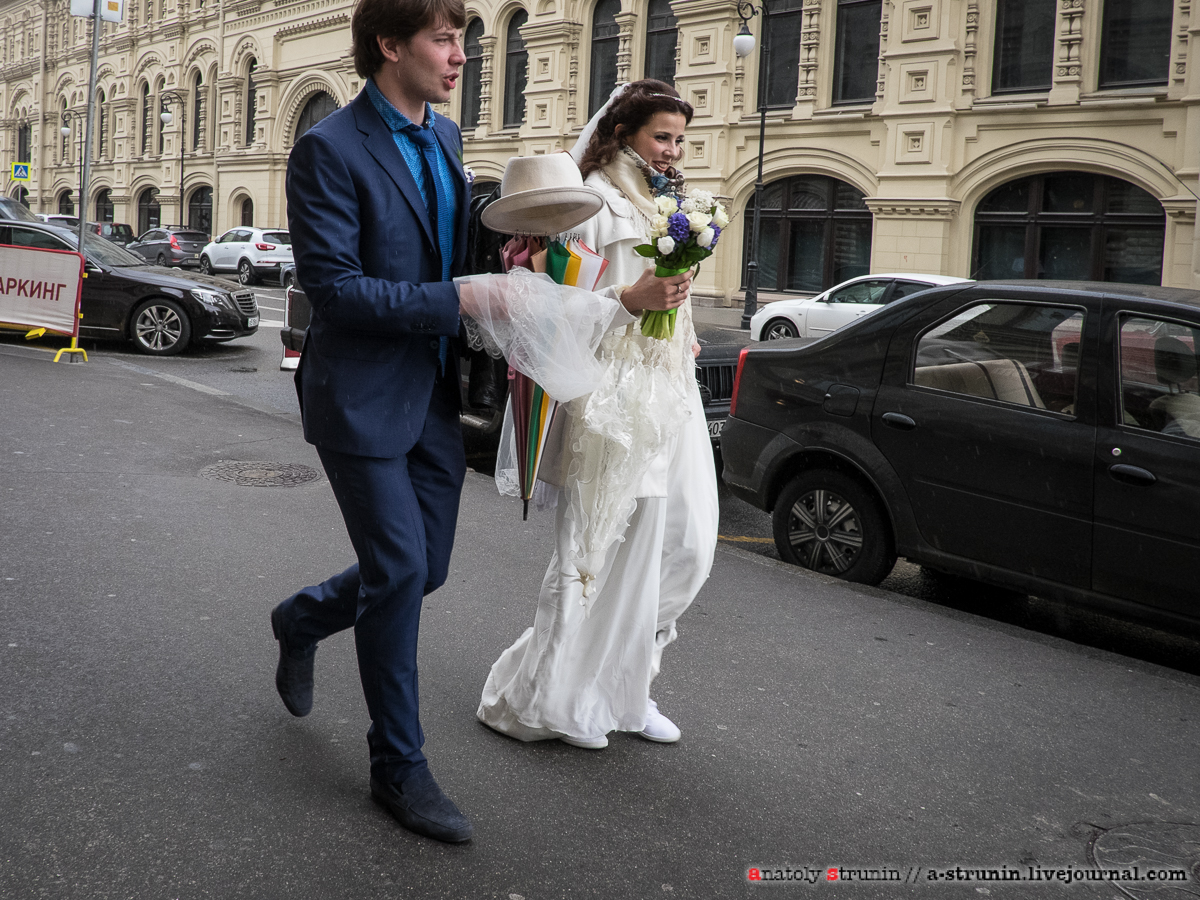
(585, 667)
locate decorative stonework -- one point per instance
(486, 70)
(923, 208)
(1070, 38)
(625, 24)
(882, 66)
(1183, 15)
(810, 47)
(969, 49)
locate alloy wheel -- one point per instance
(158, 328)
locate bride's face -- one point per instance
(660, 141)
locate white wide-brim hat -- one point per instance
(541, 196)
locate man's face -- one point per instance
(428, 64)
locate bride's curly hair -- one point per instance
(628, 113)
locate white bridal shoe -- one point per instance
(596, 743)
(658, 727)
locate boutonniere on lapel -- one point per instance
(470, 173)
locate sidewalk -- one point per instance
(146, 754)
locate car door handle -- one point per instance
(1131, 475)
(900, 421)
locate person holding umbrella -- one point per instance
(636, 519)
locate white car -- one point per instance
(840, 305)
(253, 253)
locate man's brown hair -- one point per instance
(400, 19)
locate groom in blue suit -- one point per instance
(377, 208)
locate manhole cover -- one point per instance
(1164, 856)
(261, 474)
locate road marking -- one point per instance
(174, 379)
(738, 539)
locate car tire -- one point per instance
(161, 260)
(205, 266)
(779, 330)
(289, 280)
(246, 272)
(160, 327)
(831, 523)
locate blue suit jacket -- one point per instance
(365, 255)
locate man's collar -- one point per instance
(394, 119)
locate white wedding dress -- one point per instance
(585, 666)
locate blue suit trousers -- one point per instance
(400, 514)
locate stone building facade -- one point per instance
(990, 138)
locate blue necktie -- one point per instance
(435, 200)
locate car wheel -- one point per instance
(161, 327)
(205, 266)
(779, 330)
(246, 272)
(830, 523)
(161, 261)
(289, 280)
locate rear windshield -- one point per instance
(14, 209)
(191, 236)
(277, 237)
(120, 230)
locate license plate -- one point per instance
(254, 322)
(714, 428)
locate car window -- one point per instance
(29, 237)
(191, 236)
(123, 230)
(905, 288)
(1159, 386)
(1015, 353)
(277, 237)
(14, 209)
(241, 236)
(861, 292)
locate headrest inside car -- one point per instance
(1174, 361)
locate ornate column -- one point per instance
(970, 51)
(1068, 67)
(488, 43)
(626, 23)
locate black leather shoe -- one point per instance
(294, 674)
(419, 805)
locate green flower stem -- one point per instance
(660, 323)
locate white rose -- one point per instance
(698, 221)
(666, 205)
(705, 237)
(658, 226)
(720, 217)
(666, 245)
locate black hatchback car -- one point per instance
(170, 245)
(159, 309)
(1041, 436)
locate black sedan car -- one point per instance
(1040, 436)
(159, 309)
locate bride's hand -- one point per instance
(652, 292)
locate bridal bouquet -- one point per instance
(683, 233)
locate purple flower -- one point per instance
(678, 228)
(716, 237)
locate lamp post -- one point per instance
(743, 46)
(68, 116)
(173, 96)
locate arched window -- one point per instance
(472, 74)
(662, 33)
(1024, 49)
(1135, 47)
(815, 232)
(22, 196)
(856, 51)
(104, 206)
(200, 210)
(198, 113)
(247, 213)
(516, 71)
(319, 105)
(147, 119)
(605, 41)
(1070, 225)
(251, 100)
(24, 142)
(102, 130)
(148, 212)
(66, 205)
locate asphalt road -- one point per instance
(144, 753)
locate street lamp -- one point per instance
(743, 46)
(65, 131)
(165, 98)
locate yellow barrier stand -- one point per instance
(74, 348)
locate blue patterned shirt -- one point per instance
(396, 121)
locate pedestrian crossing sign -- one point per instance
(20, 171)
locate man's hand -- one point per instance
(651, 292)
